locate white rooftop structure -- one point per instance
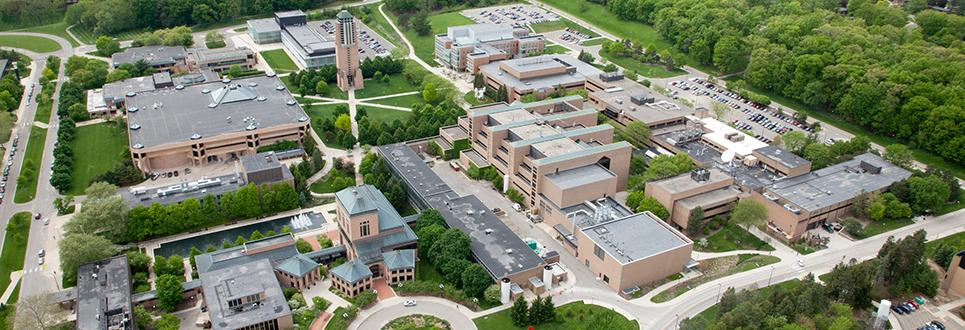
(729, 138)
(479, 33)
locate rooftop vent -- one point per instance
(251, 127)
(509, 251)
(205, 91)
(226, 80)
(179, 87)
(252, 84)
(135, 127)
(132, 109)
(212, 105)
(291, 102)
(302, 119)
(131, 94)
(279, 88)
(138, 146)
(195, 136)
(262, 99)
(270, 74)
(489, 231)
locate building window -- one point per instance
(606, 279)
(364, 229)
(598, 251)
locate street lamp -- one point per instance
(718, 291)
(769, 276)
(676, 322)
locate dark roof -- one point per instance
(352, 271)
(782, 156)
(153, 55)
(399, 259)
(367, 198)
(234, 256)
(256, 277)
(104, 293)
(298, 266)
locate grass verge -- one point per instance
(878, 227)
(731, 238)
(14, 247)
(719, 267)
(956, 241)
(335, 180)
(7, 121)
(30, 168)
(55, 29)
(574, 315)
(87, 36)
(643, 69)
(279, 61)
(396, 84)
(386, 116)
(31, 43)
(97, 149)
(406, 101)
(560, 24)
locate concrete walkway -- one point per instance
(14, 280)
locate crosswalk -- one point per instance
(33, 270)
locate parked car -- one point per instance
(409, 303)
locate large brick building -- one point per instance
(467, 47)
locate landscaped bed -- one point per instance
(715, 268)
(14, 246)
(29, 169)
(574, 315)
(730, 238)
(417, 322)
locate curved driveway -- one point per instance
(387, 310)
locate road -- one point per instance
(387, 310)
(38, 278)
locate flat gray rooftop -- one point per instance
(840, 182)
(580, 176)
(153, 55)
(684, 182)
(636, 237)
(710, 198)
(619, 99)
(223, 54)
(412, 170)
(252, 278)
(105, 298)
(311, 41)
(583, 71)
(229, 182)
(264, 25)
(782, 156)
(171, 116)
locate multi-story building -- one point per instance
(265, 168)
(954, 281)
(221, 59)
(531, 143)
(246, 297)
(541, 76)
(111, 97)
(804, 202)
(307, 46)
(211, 122)
(173, 59)
(467, 47)
(628, 101)
(349, 74)
(711, 190)
(104, 295)
(378, 242)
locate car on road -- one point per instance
(40, 260)
(46, 221)
(41, 253)
(800, 262)
(37, 216)
(409, 303)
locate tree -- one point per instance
(168, 322)
(79, 249)
(492, 294)
(851, 283)
(420, 23)
(943, 255)
(429, 217)
(303, 246)
(730, 54)
(651, 204)
(720, 110)
(256, 235)
(519, 313)
(169, 292)
(36, 311)
(665, 166)
(107, 46)
(695, 223)
(795, 141)
(927, 193)
(235, 71)
(453, 244)
(321, 87)
(749, 213)
(143, 318)
(637, 133)
(343, 123)
(898, 154)
(429, 93)
(585, 57)
(475, 279)
(117, 75)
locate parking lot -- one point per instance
(371, 43)
(511, 15)
(921, 318)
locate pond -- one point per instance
(298, 223)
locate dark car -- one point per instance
(897, 310)
(939, 325)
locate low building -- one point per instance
(265, 168)
(541, 76)
(954, 282)
(527, 143)
(467, 47)
(221, 59)
(711, 190)
(104, 295)
(628, 101)
(264, 31)
(379, 243)
(806, 201)
(246, 296)
(782, 162)
(114, 94)
(221, 121)
(289, 267)
(172, 59)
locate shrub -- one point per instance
(365, 299)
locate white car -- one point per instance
(800, 263)
(40, 260)
(409, 303)
(46, 221)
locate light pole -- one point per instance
(769, 276)
(718, 291)
(676, 322)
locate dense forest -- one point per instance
(870, 68)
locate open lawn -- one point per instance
(97, 149)
(878, 227)
(920, 155)
(555, 49)
(380, 25)
(731, 238)
(318, 112)
(88, 36)
(560, 24)
(14, 246)
(425, 44)
(956, 241)
(397, 84)
(7, 120)
(279, 61)
(594, 42)
(643, 69)
(31, 43)
(406, 101)
(57, 29)
(331, 91)
(470, 98)
(602, 18)
(29, 170)
(334, 181)
(44, 107)
(574, 315)
(386, 115)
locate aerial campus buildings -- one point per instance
(349, 73)
(541, 76)
(467, 47)
(312, 43)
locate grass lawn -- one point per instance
(406, 101)
(87, 36)
(214, 44)
(555, 49)
(952, 207)
(643, 69)
(331, 91)
(920, 155)
(97, 149)
(386, 116)
(426, 272)
(560, 24)
(279, 61)
(425, 44)
(31, 43)
(7, 121)
(956, 241)
(733, 237)
(322, 111)
(744, 263)
(27, 182)
(397, 84)
(14, 246)
(57, 29)
(44, 107)
(594, 42)
(573, 315)
(878, 227)
(329, 184)
(380, 25)
(470, 98)
(241, 29)
(602, 18)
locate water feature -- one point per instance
(298, 223)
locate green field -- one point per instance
(956, 241)
(733, 237)
(14, 247)
(29, 170)
(322, 111)
(920, 155)
(279, 61)
(470, 98)
(560, 24)
(602, 18)
(31, 43)
(44, 107)
(57, 29)
(574, 315)
(380, 25)
(97, 149)
(555, 49)
(397, 84)
(7, 121)
(878, 227)
(744, 263)
(425, 45)
(386, 115)
(329, 185)
(594, 42)
(87, 36)
(643, 69)
(406, 101)
(331, 92)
